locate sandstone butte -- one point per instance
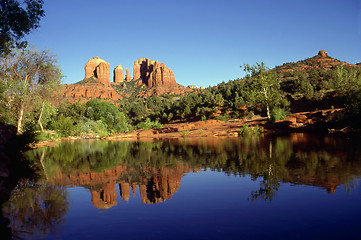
(156, 76)
(153, 73)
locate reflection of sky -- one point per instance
(212, 205)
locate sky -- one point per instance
(203, 42)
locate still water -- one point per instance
(292, 187)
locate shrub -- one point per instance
(148, 124)
(224, 117)
(185, 132)
(63, 125)
(278, 114)
(91, 126)
(246, 130)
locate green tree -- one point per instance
(17, 19)
(262, 88)
(107, 113)
(25, 75)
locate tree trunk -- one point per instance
(20, 119)
(41, 114)
(268, 112)
(267, 105)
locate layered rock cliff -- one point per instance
(153, 73)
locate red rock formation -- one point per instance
(98, 68)
(128, 78)
(91, 65)
(153, 73)
(161, 76)
(74, 92)
(322, 53)
(142, 67)
(118, 74)
(103, 73)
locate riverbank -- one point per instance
(320, 120)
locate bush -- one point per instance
(148, 124)
(108, 113)
(278, 114)
(185, 132)
(63, 125)
(224, 117)
(246, 130)
(91, 126)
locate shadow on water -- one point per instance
(156, 169)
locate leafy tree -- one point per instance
(76, 111)
(64, 125)
(17, 19)
(107, 113)
(262, 88)
(25, 75)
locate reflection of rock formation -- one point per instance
(159, 185)
(105, 198)
(124, 191)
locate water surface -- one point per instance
(293, 187)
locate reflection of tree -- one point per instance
(267, 190)
(35, 208)
(299, 159)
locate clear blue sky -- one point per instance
(203, 42)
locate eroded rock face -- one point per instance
(323, 53)
(128, 78)
(142, 67)
(153, 73)
(91, 65)
(161, 76)
(118, 74)
(73, 92)
(103, 73)
(98, 68)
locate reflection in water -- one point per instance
(156, 169)
(35, 208)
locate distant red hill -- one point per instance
(321, 61)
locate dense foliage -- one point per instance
(17, 19)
